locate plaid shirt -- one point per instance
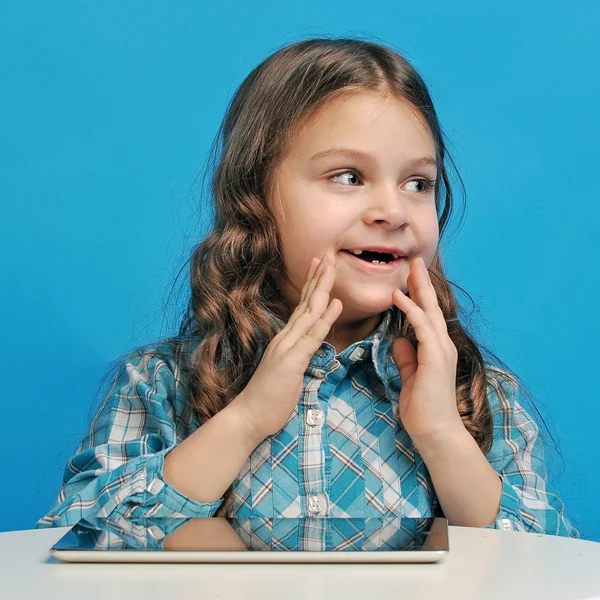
(342, 452)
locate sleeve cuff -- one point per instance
(172, 503)
(507, 518)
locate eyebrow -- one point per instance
(425, 160)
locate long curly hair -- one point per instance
(233, 271)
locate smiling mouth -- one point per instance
(373, 268)
(374, 258)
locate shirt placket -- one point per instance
(314, 437)
(317, 498)
(313, 457)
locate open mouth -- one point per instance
(375, 258)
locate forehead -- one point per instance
(367, 121)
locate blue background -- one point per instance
(108, 110)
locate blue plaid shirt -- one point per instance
(342, 452)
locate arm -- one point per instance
(204, 465)
(466, 485)
(517, 455)
(120, 468)
(510, 483)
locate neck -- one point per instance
(344, 333)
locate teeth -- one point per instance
(357, 252)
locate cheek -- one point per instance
(298, 250)
(306, 234)
(428, 234)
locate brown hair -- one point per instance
(233, 270)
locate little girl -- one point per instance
(321, 369)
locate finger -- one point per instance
(313, 283)
(424, 329)
(423, 294)
(314, 263)
(315, 305)
(306, 291)
(311, 341)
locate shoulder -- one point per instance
(503, 393)
(169, 356)
(501, 386)
(512, 423)
(153, 374)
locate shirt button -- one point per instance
(357, 353)
(155, 486)
(317, 504)
(155, 532)
(314, 417)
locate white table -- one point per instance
(482, 563)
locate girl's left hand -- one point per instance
(427, 404)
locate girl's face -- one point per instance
(340, 201)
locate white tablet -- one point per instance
(260, 540)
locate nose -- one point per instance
(388, 206)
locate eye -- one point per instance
(350, 171)
(429, 184)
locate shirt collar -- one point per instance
(374, 350)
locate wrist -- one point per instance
(441, 440)
(238, 409)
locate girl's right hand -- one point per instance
(275, 387)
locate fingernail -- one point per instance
(423, 264)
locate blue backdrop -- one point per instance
(107, 111)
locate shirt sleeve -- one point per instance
(123, 534)
(528, 503)
(118, 468)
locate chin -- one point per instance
(365, 307)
